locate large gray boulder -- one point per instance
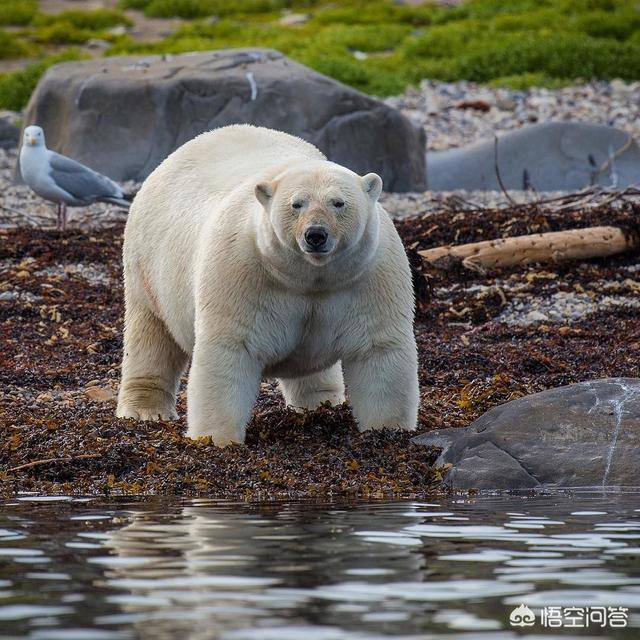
(554, 156)
(581, 435)
(9, 133)
(123, 115)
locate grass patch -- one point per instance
(494, 53)
(95, 20)
(17, 87)
(17, 12)
(522, 81)
(12, 47)
(75, 27)
(61, 32)
(189, 9)
(378, 46)
(548, 42)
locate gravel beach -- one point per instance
(452, 114)
(461, 113)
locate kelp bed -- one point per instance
(60, 343)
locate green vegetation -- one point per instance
(16, 88)
(377, 46)
(17, 12)
(91, 20)
(11, 47)
(190, 9)
(76, 27)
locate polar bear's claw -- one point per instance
(150, 414)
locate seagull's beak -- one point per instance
(31, 141)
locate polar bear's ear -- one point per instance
(264, 193)
(372, 185)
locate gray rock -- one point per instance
(554, 156)
(581, 435)
(9, 134)
(123, 116)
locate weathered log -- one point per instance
(575, 244)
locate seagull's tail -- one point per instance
(124, 202)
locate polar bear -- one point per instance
(249, 251)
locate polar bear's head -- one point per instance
(319, 210)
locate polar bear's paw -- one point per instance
(153, 414)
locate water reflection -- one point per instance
(204, 569)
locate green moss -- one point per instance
(16, 88)
(190, 9)
(378, 12)
(557, 56)
(95, 20)
(517, 43)
(488, 9)
(17, 12)
(523, 81)
(603, 24)
(543, 42)
(74, 27)
(62, 32)
(369, 37)
(11, 47)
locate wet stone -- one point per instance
(580, 435)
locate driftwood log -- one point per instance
(575, 244)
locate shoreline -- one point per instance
(483, 339)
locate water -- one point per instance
(76, 569)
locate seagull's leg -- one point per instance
(58, 215)
(64, 216)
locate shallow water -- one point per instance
(160, 569)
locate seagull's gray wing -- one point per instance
(81, 182)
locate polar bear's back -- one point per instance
(223, 158)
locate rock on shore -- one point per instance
(581, 435)
(123, 115)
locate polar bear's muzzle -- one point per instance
(317, 240)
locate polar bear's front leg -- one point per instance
(309, 392)
(223, 385)
(151, 367)
(383, 388)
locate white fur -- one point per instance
(215, 267)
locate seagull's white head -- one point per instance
(33, 136)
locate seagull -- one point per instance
(62, 180)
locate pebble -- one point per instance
(439, 108)
(17, 295)
(562, 307)
(452, 115)
(294, 19)
(100, 394)
(94, 274)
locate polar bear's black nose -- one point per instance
(316, 237)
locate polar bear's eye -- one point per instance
(338, 204)
(297, 205)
